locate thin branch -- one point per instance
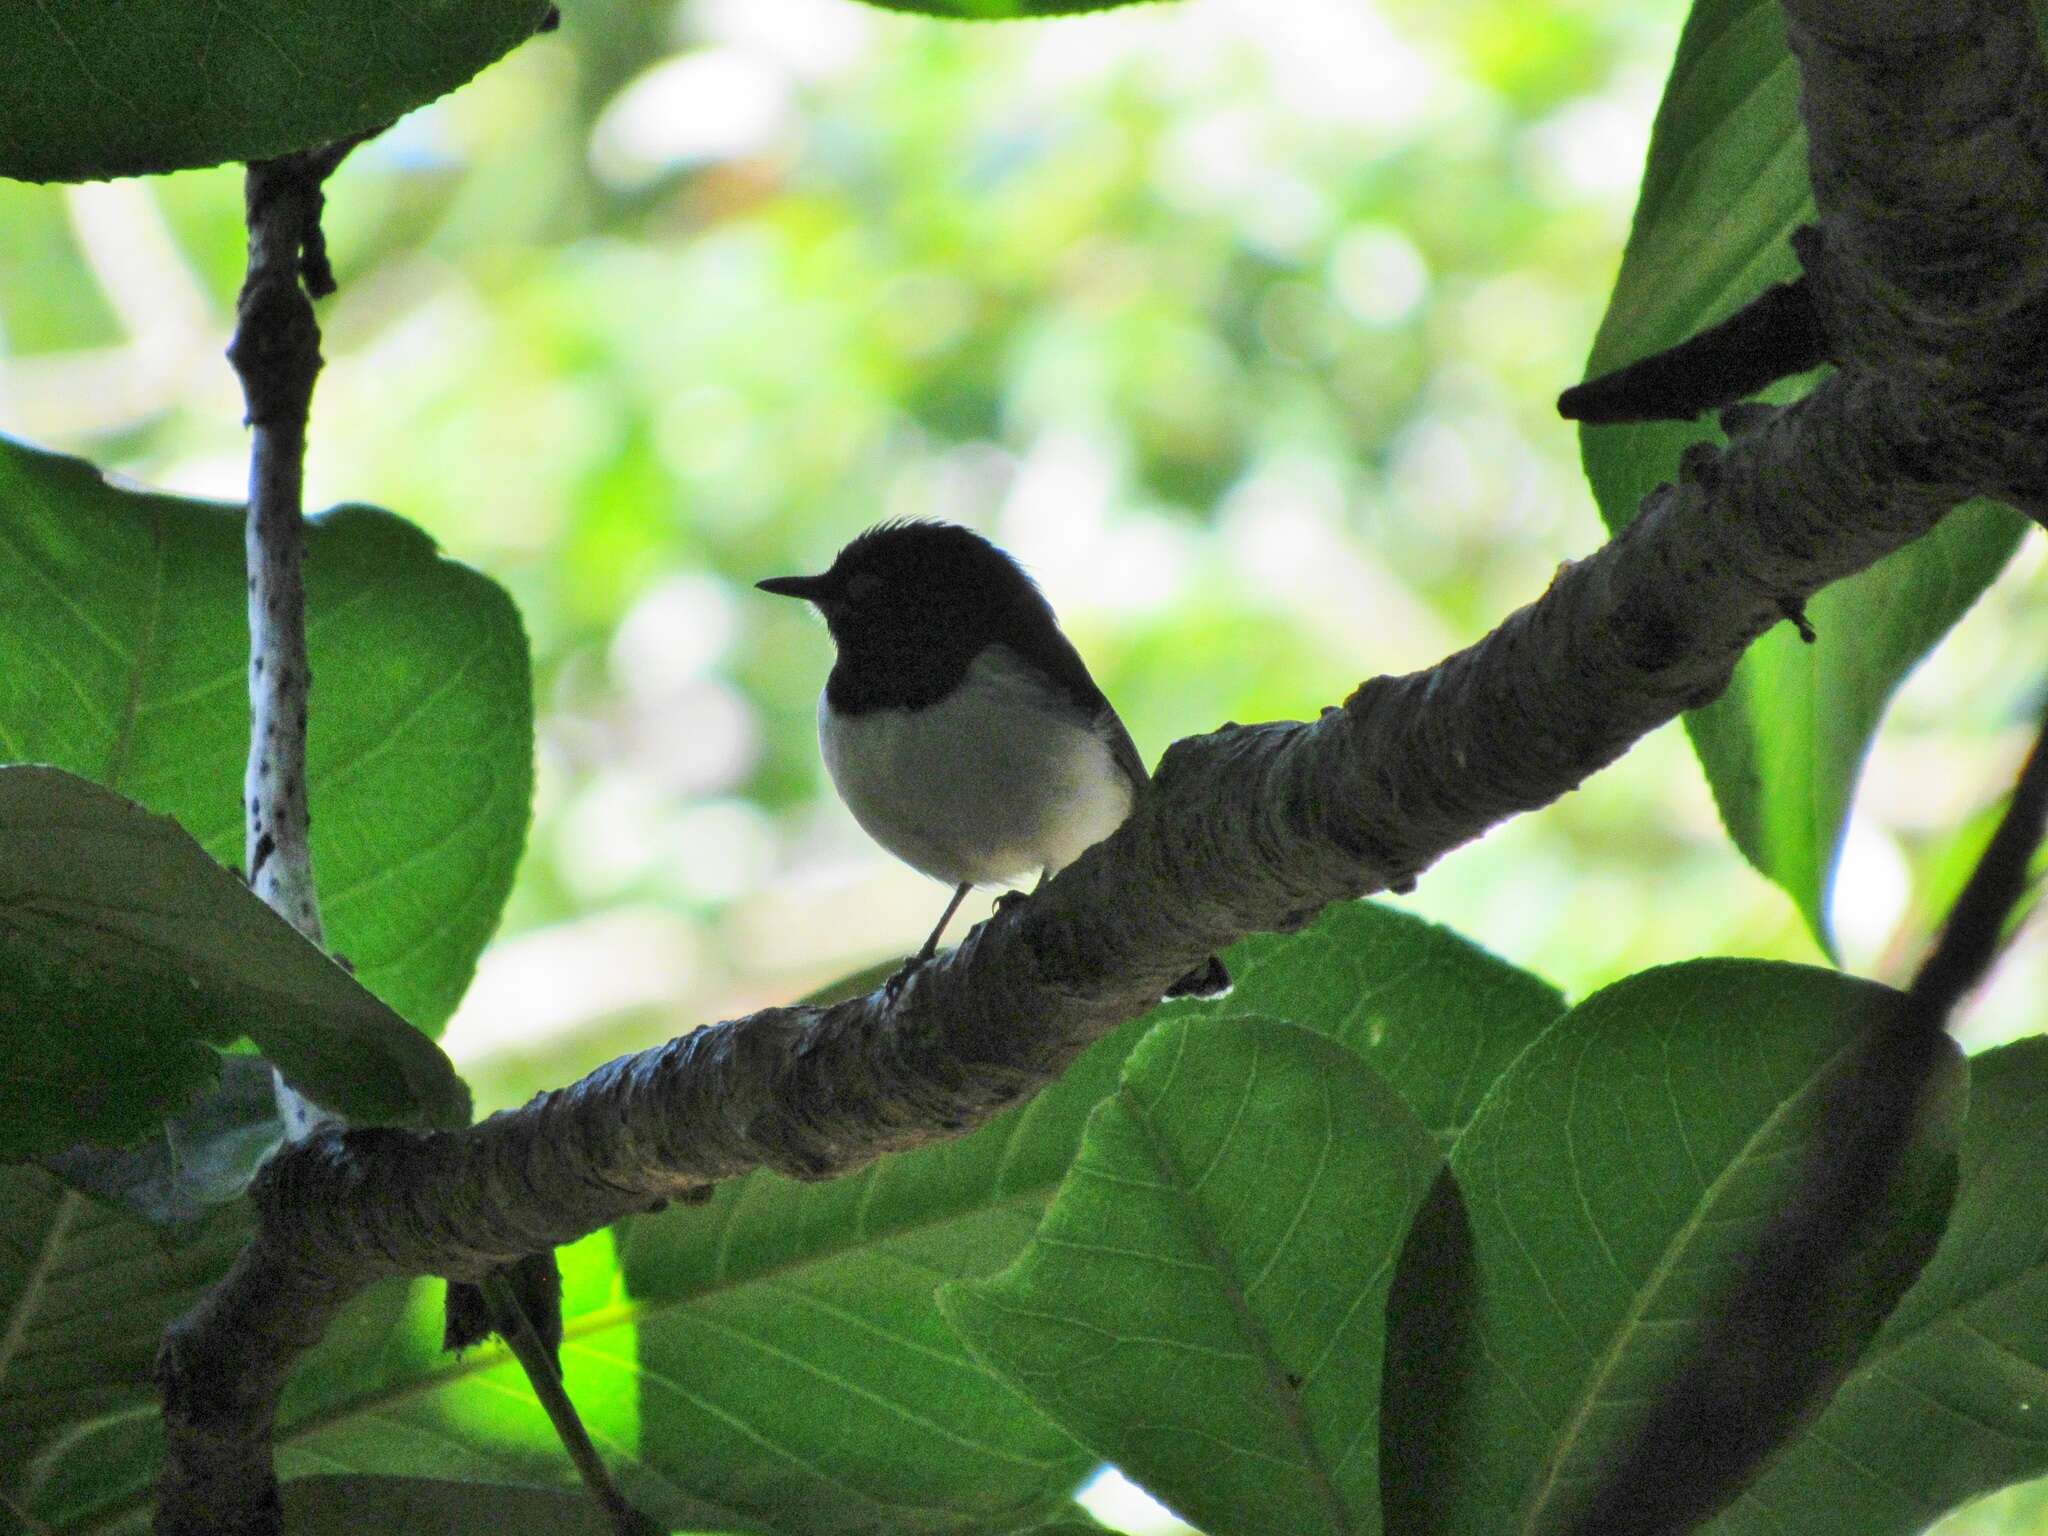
(1252, 828)
(276, 354)
(1772, 337)
(542, 1363)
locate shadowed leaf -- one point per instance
(1613, 1185)
(102, 88)
(1951, 1399)
(127, 953)
(1204, 1303)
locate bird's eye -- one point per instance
(862, 587)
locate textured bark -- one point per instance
(1930, 275)
(276, 355)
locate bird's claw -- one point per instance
(902, 974)
(1010, 899)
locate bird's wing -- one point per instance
(1110, 727)
(1055, 656)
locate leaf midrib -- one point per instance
(61, 1219)
(124, 724)
(1285, 1398)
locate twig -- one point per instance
(543, 1370)
(522, 1304)
(276, 354)
(1772, 337)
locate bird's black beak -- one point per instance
(810, 588)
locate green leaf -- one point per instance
(123, 656)
(1204, 1303)
(1436, 1016)
(128, 952)
(1784, 745)
(1613, 1185)
(1725, 186)
(84, 1297)
(1951, 1400)
(101, 88)
(345, 1505)
(774, 1359)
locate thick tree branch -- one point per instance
(1255, 827)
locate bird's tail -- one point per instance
(1209, 979)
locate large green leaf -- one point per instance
(1205, 1302)
(1614, 1183)
(84, 1297)
(774, 1359)
(100, 88)
(1951, 1400)
(123, 655)
(1725, 186)
(126, 953)
(1784, 745)
(1436, 1016)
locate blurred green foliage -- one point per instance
(1239, 322)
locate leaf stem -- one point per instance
(517, 1330)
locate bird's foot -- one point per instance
(903, 973)
(1010, 899)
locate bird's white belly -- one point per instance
(994, 781)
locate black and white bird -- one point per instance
(959, 725)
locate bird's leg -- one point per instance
(903, 973)
(1013, 897)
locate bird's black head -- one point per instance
(910, 605)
